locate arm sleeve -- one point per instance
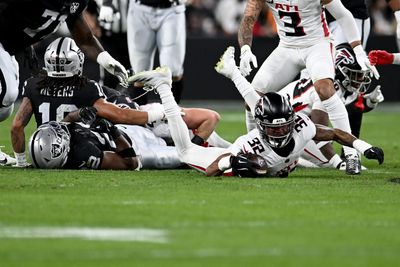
(345, 20)
(85, 155)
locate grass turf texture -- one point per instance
(313, 218)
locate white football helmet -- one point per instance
(49, 145)
(63, 58)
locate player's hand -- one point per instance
(87, 115)
(363, 61)
(374, 153)
(375, 96)
(102, 125)
(380, 57)
(113, 67)
(247, 58)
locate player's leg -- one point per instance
(319, 63)
(141, 40)
(195, 156)
(9, 82)
(171, 43)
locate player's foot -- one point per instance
(6, 160)
(153, 78)
(353, 164)
(226, 64)
(342, 166)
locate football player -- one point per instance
(59, 145)
(60, 89)
(305, 42)
(279, 139)
(352, 86)
(161, 25)
(26, 22)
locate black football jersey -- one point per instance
(23, 23)
(87, 147)
(357, 7)
(54, 105)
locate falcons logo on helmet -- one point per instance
(344, 56)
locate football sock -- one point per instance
(245, 89)
(250, 121)
(217, 141)
(177, 89)
(339, 118)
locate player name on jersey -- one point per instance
(66, 91)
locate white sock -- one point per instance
(178, 128)
(339, 118)
(250, 121)
(335, 161)
(245, 89)
(217, 141)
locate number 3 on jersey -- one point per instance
(295, 28)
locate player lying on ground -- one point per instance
(72, 146)
(62, 88)
(352, 86)
(279, 139)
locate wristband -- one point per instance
(154, 115)
(224, 163)
(361, 145)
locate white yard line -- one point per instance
(87, 233)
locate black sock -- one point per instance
(177, 88)
(355, 119)
(197, 140)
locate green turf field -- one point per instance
(181, 218)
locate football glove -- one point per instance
(380, 57)
(248, 165)
(102, 125)
(247, 58)
(113, 67)
(363, 61)
(375, 96)
(87, 115)
(374, 153)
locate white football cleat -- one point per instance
(353, 164)
(226, 64)
(6, 160)
(153, 78)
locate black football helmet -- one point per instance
(348, 73)
(275, 119)
(249, 165)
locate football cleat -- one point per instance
(353, 164)
(226, 64)
(6, 160)
(342, 166)
(152, 78)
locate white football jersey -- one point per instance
(304, 131)
(304, 98)
(300, 23)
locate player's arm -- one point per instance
(221, 164)
(92, 48)
(202, 120)
(116, 114)
(324, 133)
(21, 119)
(346, 21)
(245, 35)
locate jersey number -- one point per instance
(44, 109)
(295, 24)
(52, 16)
(299, 124)
(256, 145)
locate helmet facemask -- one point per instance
(278, 133)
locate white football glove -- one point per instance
(106, 17)
(113, 67)
(363, 61)
(374, 97)
(247, 58)
(397, 16)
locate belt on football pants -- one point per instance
(158, 3)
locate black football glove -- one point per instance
(87, 115)
(374, 153)
(248, 165)
(104, 126)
